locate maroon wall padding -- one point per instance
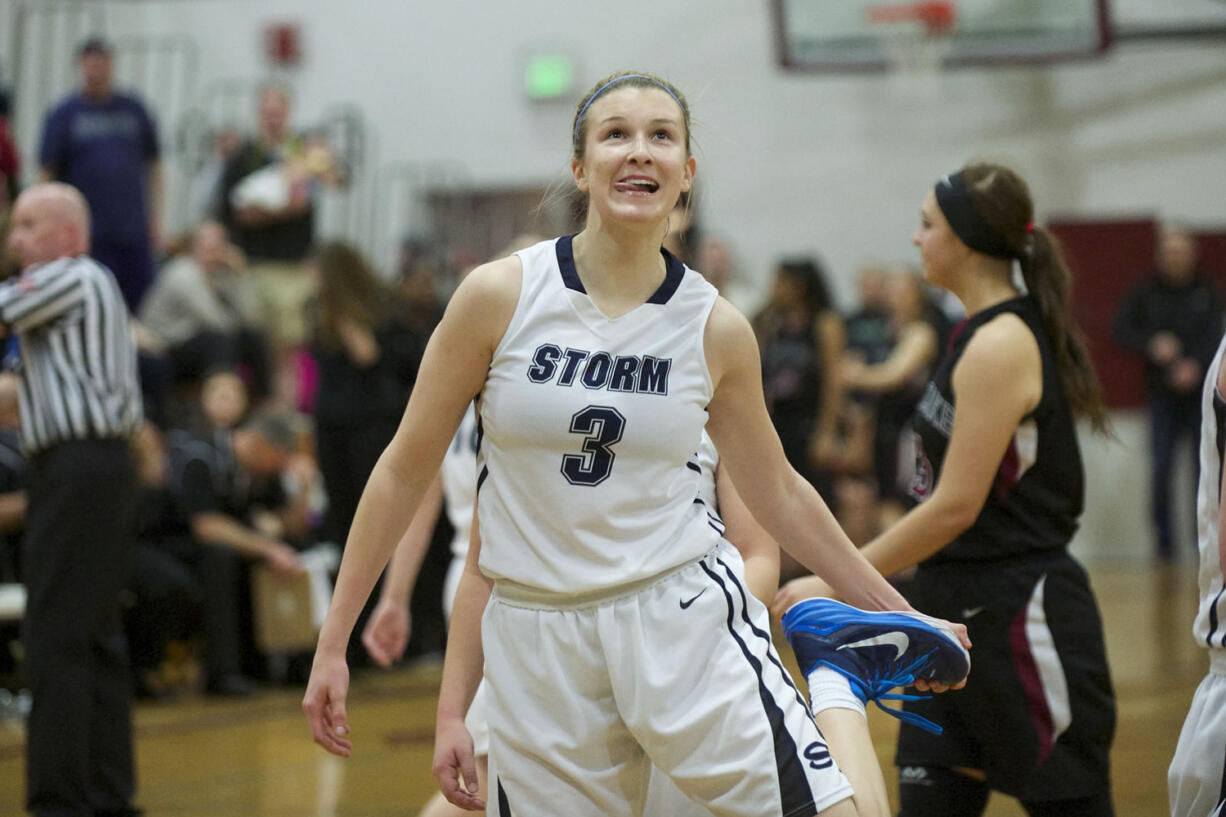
(1211, 244)
(1108, 259)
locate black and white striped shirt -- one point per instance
(78, 363)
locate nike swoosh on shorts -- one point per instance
(685, 605)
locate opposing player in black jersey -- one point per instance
(1001, 479)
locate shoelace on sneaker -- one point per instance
(877, 689)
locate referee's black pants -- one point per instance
(78, 554)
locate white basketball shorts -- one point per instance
(477, 723)
(678, 670)
(1195, 778)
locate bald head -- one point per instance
(1177, 254)
(50, 221)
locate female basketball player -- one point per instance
(1195, 779)
(999, 471)
(387, 632)
(617, 632)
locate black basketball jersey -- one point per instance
(1038, 493)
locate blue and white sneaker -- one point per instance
(876, 652)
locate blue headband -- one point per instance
(610, 84)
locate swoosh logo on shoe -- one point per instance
(685, 605)
(897, 640)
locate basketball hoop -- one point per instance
(916, 37)
(937, 16)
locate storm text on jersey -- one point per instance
(600, 370)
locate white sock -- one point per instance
(829, 689)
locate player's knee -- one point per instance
(935, 791)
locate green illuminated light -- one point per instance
(548, 76)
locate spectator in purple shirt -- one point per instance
(105, 144)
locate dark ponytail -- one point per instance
(1048, 278)
(1002, 198)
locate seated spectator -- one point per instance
(223, 401)
(229, 489)
(165, 598)
(203, 313)
(221, 406)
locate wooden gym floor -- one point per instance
(202, 757)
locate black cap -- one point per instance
(94, 45)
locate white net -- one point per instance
(916, 38)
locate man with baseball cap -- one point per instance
(105, 144)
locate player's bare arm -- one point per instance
(790, 509)
(454, 762)
(758, 550)
(997, 382)
(387, 632)
(452, 372)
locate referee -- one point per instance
(80, 402)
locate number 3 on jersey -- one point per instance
(602, 428)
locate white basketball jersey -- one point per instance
(589, 426)
(459, 475)
(1210, 625)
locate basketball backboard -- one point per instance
(856, 35)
